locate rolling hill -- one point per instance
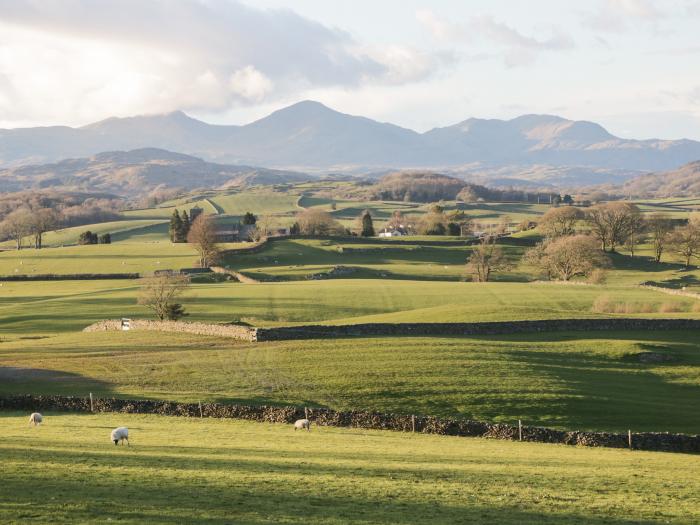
(309, 135)
(132, 172)
(685, 181)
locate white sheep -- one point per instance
(120, 434)
(35, 419)
(301, 424)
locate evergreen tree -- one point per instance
(367, 226)
(185, 227)
(175, 227)
(106, 238)
(249, 219)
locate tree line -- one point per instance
(576, 243)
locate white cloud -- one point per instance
(617, 15)
(75, 60)
(250, 83)
(516, 47)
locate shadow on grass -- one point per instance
(168, 489)
(38, 381)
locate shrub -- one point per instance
(598, 276)
(669, 307)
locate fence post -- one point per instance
(520, 430)
(629, 438)
(306, 413)
(91, 407)
(201, 415)
(413, 423)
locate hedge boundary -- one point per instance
(648, 441)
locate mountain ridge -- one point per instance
(135, 172)
(311, 136)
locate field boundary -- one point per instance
(69, 277)
(243, 333)
(284, 333)
(290, 333)
(649, 441)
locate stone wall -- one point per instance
(69, 277)
(244, 333)
(458, 329)
(286, 333)
(361, 419)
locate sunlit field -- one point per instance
(222, 471)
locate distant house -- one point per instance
(391, 232)
(234, 232)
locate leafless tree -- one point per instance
(263, 228)
(558, 222)
(486, 258)
(567, 257)
(202, 236)
(612, 223)
(659, 227)
(17, 225)
(318, 222)
(637, 228)
(685, 240)
(43, 220)
(160, 293)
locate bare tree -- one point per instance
(612, 223)
(43, 220)
(567, 257)
(203, 236)
(486, 258)
(264, 226)
(659, 226)
(160, 292)
(637, 228)
(17, 225)
(558, 222)
(318, 222)
(685, 240)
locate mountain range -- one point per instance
(135, 172)
(309, 136)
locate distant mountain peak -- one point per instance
(310, 135)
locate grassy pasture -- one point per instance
(135, 251)
(120, 230)
(295, 259)
(575, 380)
(222, 471)
(257, 202)
(46, 307)
(166, 209)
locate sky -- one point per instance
(630, 65)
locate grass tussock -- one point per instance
(607, 305)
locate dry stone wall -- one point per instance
(361, 419)
(244, 333)
(69, 277)
(458, 329)
(285, 333)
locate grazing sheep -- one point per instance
(120, 434)
(35, 419)
(301, 424)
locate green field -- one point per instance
(57, 306)
(257, 202)
(586, 381)
(180, 470)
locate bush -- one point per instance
(87, 237)
(598, 276)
